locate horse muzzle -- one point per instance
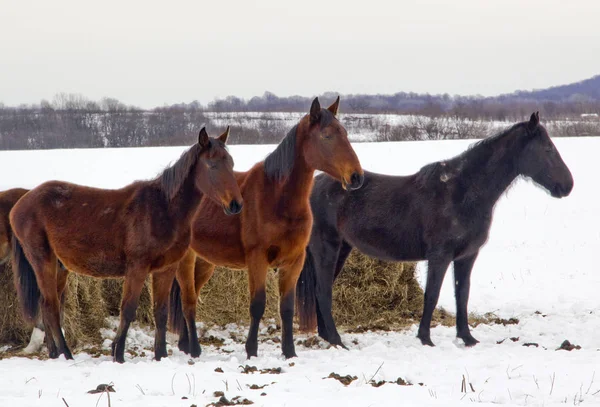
(356, 181)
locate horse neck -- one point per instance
(488, 182)
(295, 190)
(184, 204)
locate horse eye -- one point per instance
(327, 136)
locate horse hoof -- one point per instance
(426, 342)
(119, 359)
(159, 355)
(184, 347)
(290, 355)
(470, 341)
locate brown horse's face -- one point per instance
(327, 148)
(214, 173)
(542, 162)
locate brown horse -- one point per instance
(274, 227)
(8, 199)
(128, 232)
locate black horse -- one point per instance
(440, 214)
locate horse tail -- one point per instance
(26, 283)
(176, 318)
(306, 299)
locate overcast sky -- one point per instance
(150, 53)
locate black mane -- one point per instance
(473, 159)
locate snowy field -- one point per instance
(538, 267)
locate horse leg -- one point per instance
(52, 286)
(132, 288)
(161, 287)
(343, 254)
(188, 338)
(325, 254)
(436, 269)
(62, 279)
(257, 277)
(288, 277)
(462, 284)
(203, 271)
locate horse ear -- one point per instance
(534, 121)
(315, 111)
(223, 137)
(335, 106)
(203, 138)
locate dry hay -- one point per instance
(376, 294)
(368, 293)
(225, 298)
(88, 302)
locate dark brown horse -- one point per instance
(441, 214)
(128, 232)
(8, 199)
(274, 227)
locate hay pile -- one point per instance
(376, 294)
(87, 304)
(368, 293)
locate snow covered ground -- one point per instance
(537, 267)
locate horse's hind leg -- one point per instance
(436, 269)
(50, 284)
(325, 253)
(288, 277)
(343, 254)
(62, 278)
(161, 287)
(257, 277)
(134, 282)
(462, 284)
(202, 272)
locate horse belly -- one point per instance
(387, 244)
(220, 251)
(94, 266)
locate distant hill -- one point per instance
(586, 90)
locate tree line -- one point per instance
(73, 121)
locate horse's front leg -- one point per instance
(288, 277)
(132, 288)
(436, 269)
(257, 277)
(462, 285)
(161, 287)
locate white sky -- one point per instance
(149, 53)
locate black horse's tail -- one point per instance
(176, 318)
(26, 284)
(306, 299)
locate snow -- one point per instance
(538, 258)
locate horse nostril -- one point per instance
(235, 207)
(356, 180)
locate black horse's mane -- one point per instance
(472, 159)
